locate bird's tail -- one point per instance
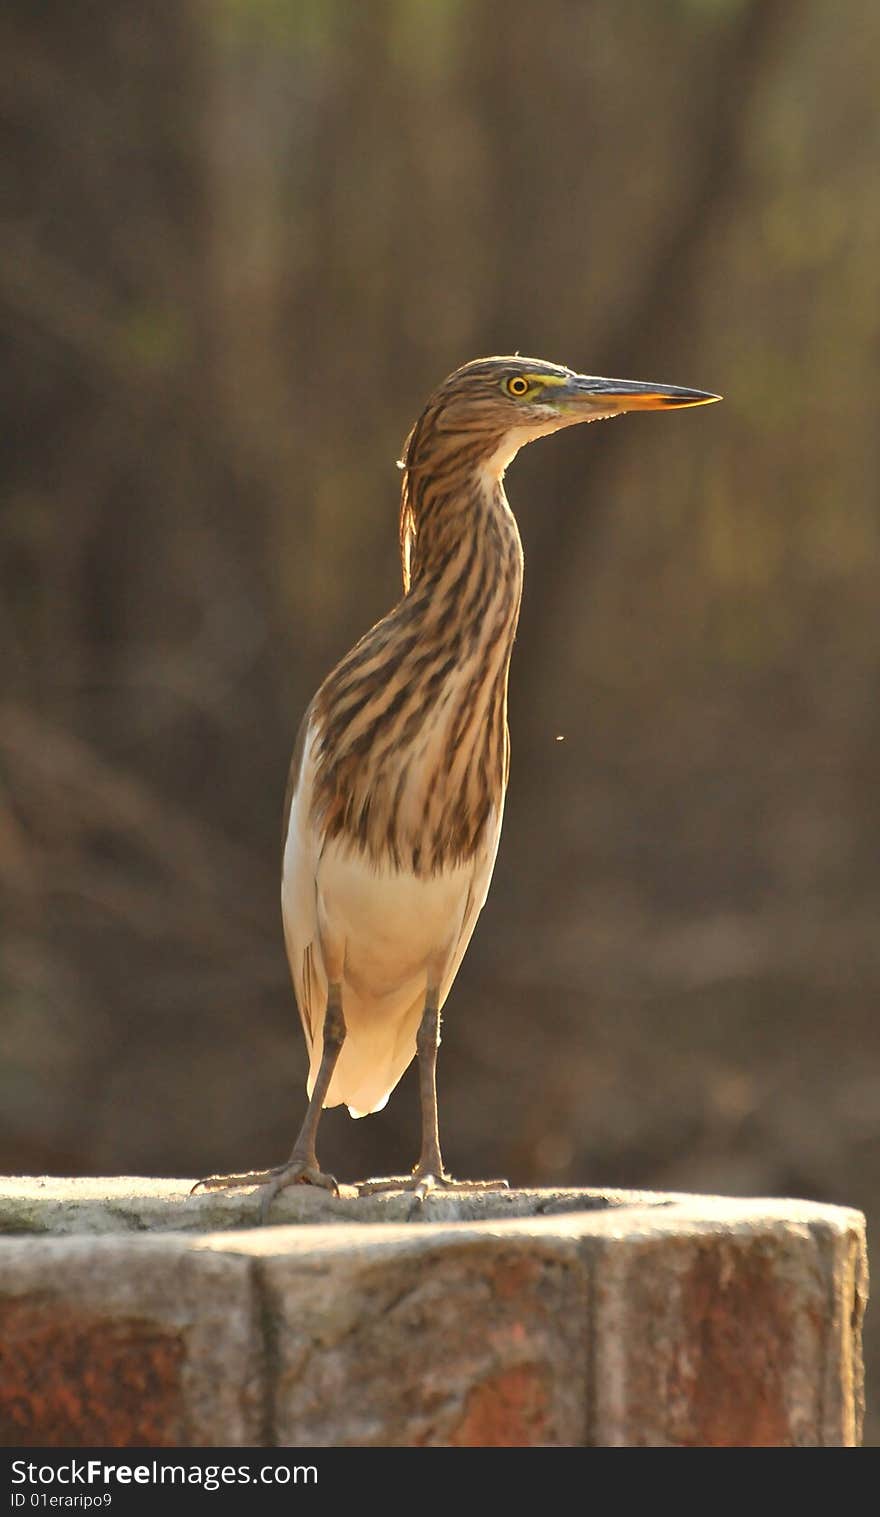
(380, 1044)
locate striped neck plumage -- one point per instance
(413, 760)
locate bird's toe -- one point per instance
(233, 1182)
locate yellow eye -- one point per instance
(517, 386)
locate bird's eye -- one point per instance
(517, 386)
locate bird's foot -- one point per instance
(299, 1170)
(423, 1181)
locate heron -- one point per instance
(397, 784)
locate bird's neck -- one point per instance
(459, 541)
(414, 722)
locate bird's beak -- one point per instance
(609, 396)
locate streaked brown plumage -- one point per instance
(437, 662)
(397, 784)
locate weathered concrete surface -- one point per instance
(430, 1336)
(126, 1341)
(541, 1317)
(741, 1333)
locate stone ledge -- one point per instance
(131, 1313)
(121, 1204)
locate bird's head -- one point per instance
(492, 407)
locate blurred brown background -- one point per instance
(240, 244)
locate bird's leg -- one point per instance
(302, 1166)
(427, 1046)
(429, 1173)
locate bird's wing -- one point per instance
(300, 852)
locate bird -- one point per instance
(396, 790)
